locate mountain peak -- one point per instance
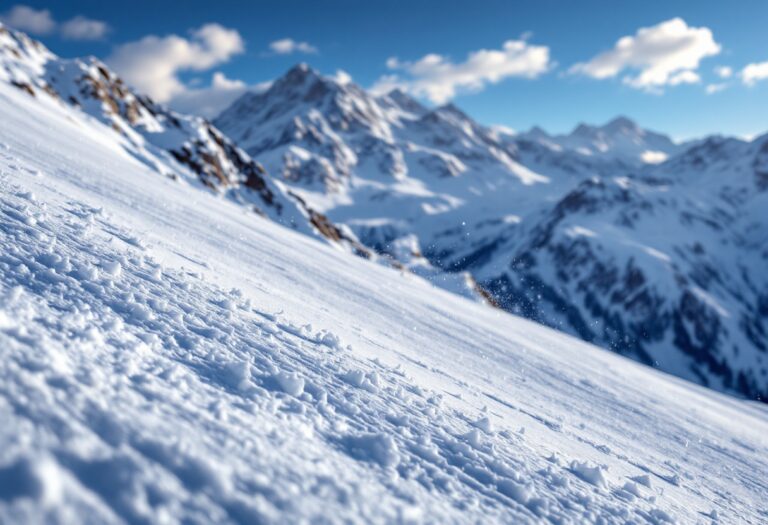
(301, 82)
(621, 120)
(582, 129)
(453, 110)
(406, 102)
(299, 74)
(621, 123)
(536, 132)
(398, 93)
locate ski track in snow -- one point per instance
(140, 392)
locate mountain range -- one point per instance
(619, 235)
(616, 234)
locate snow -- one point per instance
(379, 448)
(291, 384)
(710, 301)
(593, 474)
(167, 357)
(579, 231)
(653, 157)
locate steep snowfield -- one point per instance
(168, 356)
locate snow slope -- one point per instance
(166, 358)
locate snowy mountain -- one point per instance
(185, 148)
(166, 358)
(588, 232)
(620, 139)
(341, 149)
(658, 269)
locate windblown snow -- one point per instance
(170, 357)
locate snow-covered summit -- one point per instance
(620, 139)
(176, 144)
(305, 116)
(401, 100)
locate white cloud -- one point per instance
(25, 18)
(438, 79)
(220, 81)
(684, 77)
(153, 63)
(41, 22)
(209, 102)
(387, 83)
(653, 157)
(342, 77)
(665, 54)
(711, 89)
(288, 46)
(82, 28)
(724, 71)
(753, 73)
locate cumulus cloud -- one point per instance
(25, 18)
(665, 54)
(288, 46)
(342, 77)
(754, 73)
(41, 22)
(684, 77)
(724, 71)
(209, 102)
(387, 83)
(153, 63)
(82, 28)
(711, 89)
(438, 79)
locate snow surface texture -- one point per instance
(583, 232)
(167, 357)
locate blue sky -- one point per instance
(360, 37)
